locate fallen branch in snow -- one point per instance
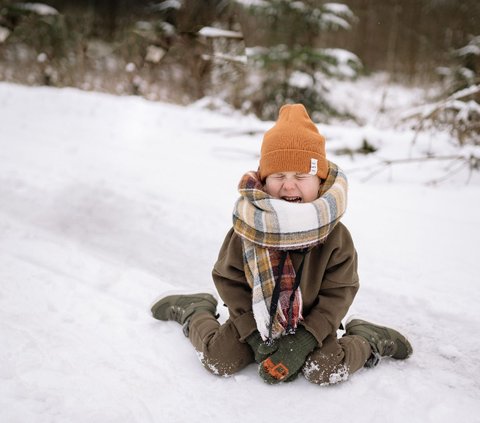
(471, 161)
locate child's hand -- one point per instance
(289, 357)
(260, 348)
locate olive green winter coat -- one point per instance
(329, 282)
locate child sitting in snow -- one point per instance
(287, 271)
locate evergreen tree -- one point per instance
(285, 61)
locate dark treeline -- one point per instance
(153, 48)
(408, 38)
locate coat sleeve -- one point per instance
(232, 286)
(338, 286)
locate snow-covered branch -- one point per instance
(459, 114)
(211, 32)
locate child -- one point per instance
(287, 271)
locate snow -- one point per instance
(253, 3)
(345, 62)
(106, 202)
(298, 5)
(226, 57)
(4, 33)
(154, 54)
(339, 9)
(167, 4)
(469, 49)
(332, 19)
(473, 47)
(211, 32)
(38, 8)
(300, 80)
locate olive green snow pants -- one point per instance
(222, 353)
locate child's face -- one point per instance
(293, 186)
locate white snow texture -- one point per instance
(106, 202)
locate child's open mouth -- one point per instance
(293, 199)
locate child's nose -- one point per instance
(289, 184)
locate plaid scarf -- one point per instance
(268, 226)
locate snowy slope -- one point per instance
(107, 202)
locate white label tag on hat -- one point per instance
(313, 167)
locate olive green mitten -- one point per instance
(289, 357)
(261, 349)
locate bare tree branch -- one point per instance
(471, 162)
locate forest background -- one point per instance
(255, 55)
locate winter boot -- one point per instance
(385, 342)
(181, 308)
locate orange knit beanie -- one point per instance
(293, 145)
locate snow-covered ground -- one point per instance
(106, 202)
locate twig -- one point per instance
(386, 163)
(449, 174)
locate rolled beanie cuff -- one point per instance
(291, 160)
